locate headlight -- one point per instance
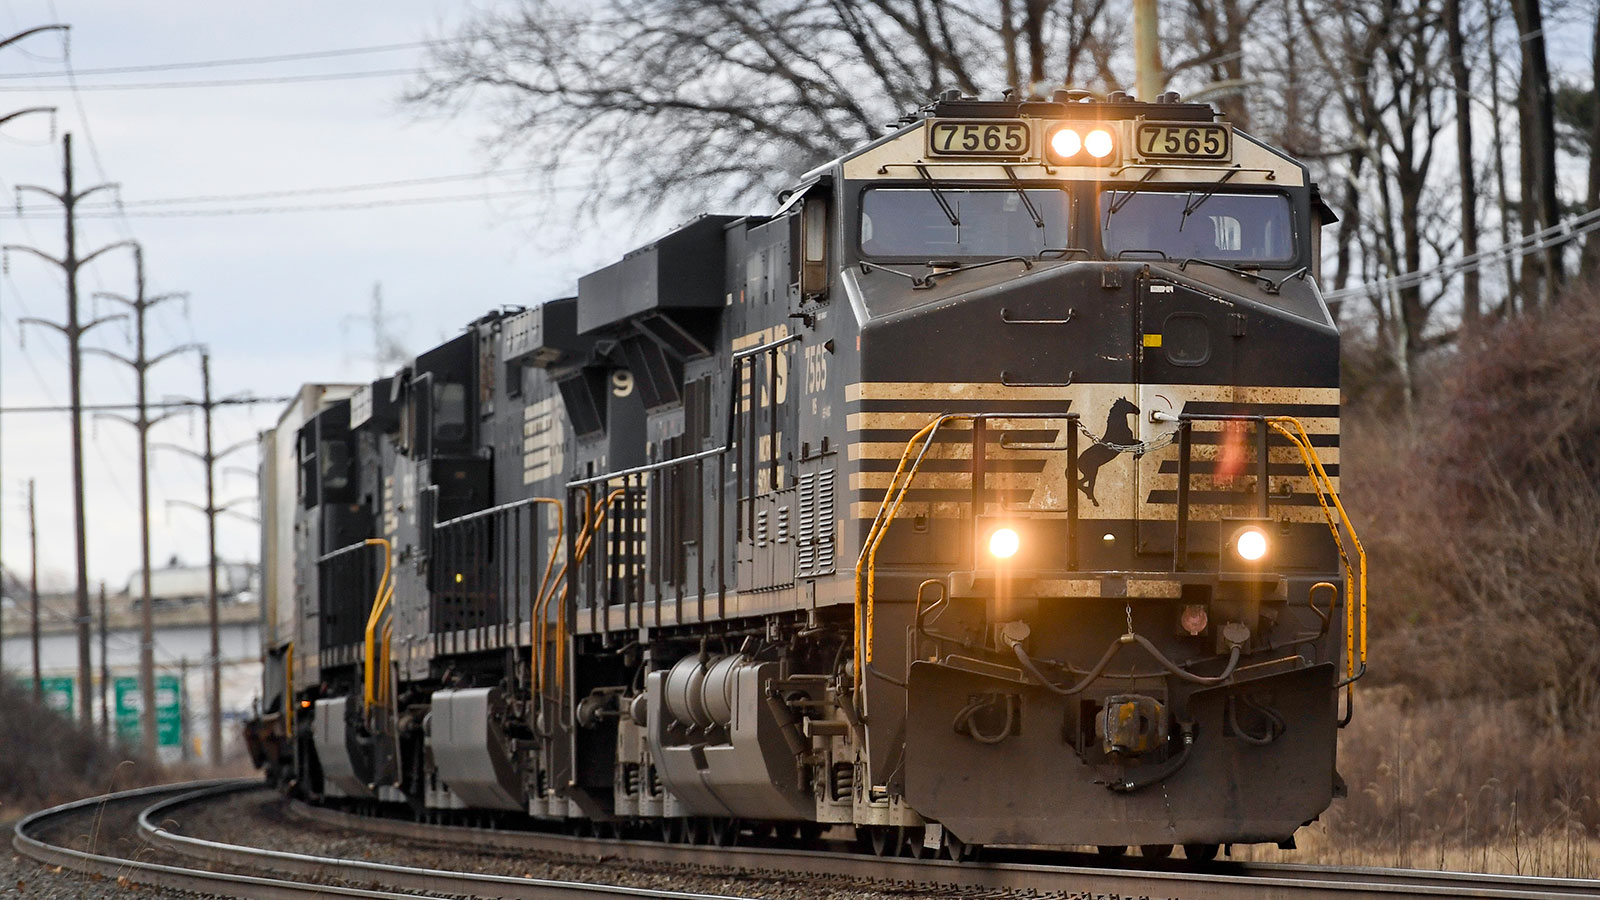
(1081, 144)
(1250, 543)
(1004, 543)
(1098, 143)
(1065, 143)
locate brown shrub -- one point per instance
(1482, 518)
(49, 759)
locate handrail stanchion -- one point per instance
(1263, 470)
(1072, 495)
(1180, 541)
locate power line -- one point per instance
(322, 207)
(216, 83)
(326, 189)
(239, 60)
(124, 407)
(1533, 242)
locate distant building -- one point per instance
(178, 583)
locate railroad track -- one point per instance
(136, 843)
(229, 869)
(1080, 877)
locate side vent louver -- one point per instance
(814, 540)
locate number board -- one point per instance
(983, 137)
(1185, 140)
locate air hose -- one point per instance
(1111, 651)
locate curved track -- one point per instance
(45, 836)
(187, 862)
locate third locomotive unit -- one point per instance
(985, 493)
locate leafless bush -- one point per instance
(49, 759)
(1483, 521)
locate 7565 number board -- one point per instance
(982, 137)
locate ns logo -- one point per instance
(1116, 439)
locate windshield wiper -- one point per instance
(939, 196)
(1190, 206)
(866, 267)
(1119, 203)
(1271, 286)
(1061, 253)
(1038, 220)
(950, 267)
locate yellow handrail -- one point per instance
(380, 602)
(385, 679)
(536, 626)
(1355, 582)
(580, 548)
(865, 588)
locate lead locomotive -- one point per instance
(985, 493)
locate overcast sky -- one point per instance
(280, 298)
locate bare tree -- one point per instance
(722, 101)
(1591, 247)
(1541, 277)
(1384, 57)
(1462, 85)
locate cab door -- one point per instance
(1187, 363)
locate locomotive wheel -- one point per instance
(883, 840)
(956, 849)
(1111, 851)
(723, 832)
(1200, 852)
(696, 831)
(810, 832)
(1155, 851)
(911, 842)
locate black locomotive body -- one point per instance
(983, 494)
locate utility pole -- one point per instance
(211, 510)
(141, 363)
(33, 592)
(4, 119)
(105, 670)
(1148, 79)
(74, 331)
(183, 709)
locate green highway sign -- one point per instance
(169, 710)
(58, 693)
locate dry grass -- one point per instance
(1476, 785)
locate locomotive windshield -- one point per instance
(987, 222)
(1230, 228)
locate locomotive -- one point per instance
(984, 493)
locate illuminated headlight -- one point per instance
(1065, 143)
(1004, 543)
(1250, 543)
(1098, 143)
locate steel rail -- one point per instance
(398, 882)
(1164, 879)
(157, 874)
(393, 877)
